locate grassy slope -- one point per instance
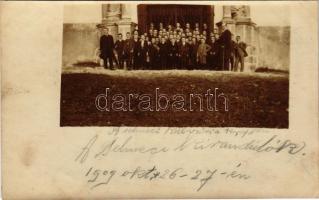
(255, 100)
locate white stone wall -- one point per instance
(274, 47)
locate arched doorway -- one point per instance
(170, 14)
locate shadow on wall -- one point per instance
(80, 42)
(274, 47)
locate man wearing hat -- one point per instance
(224, 44)
(106, 47)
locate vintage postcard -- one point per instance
(169, 65)
(159, 99)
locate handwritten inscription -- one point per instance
(272, 144)
(112, 144)
(102, 177)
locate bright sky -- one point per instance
(262, 15)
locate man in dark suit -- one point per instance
(205, 28)
(153, 54)
(173, 53)
(106, 48)
(225, 42)
(193, 53)
(119, 48)
(240, 54)
(211, 58)
(163, 53)
(135, 51)
(184, 53)
(128, 51)
(142, 50)
(232, 53)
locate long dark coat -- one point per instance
(106, 46)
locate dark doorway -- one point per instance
(170, 14)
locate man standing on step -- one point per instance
(119, 48)
(106, 48)
(128, 51)
(240, 54)
(224, 45)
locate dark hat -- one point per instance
(219, 24)
(100, 26)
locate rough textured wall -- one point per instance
(79, 43)
(274, 47)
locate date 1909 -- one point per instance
(99, 177)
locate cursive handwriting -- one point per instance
(106, 146)
(97, 148)
(97, 177)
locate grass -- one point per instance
(255, 100)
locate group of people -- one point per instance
(174, 48)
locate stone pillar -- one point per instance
(105, 10)
(117, 18)
(125, 24)
(125, 11)
(212, 24)
(227, 12)
(227, 18)
(244, 37)
(238, 21)
(258, 51)
(241, 15)
(111, 14)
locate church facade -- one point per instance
(118, 18)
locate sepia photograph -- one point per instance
(159, 99)
(175, 65)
